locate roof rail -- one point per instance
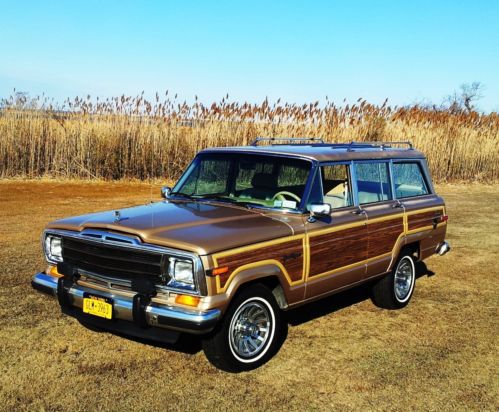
(290, 140)
(381, 145)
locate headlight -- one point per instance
(53, 248)
(181, 274)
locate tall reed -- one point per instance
(131, 137)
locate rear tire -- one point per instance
(394, 291)
(249, 334)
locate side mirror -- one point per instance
(165, 192)
(319, 209)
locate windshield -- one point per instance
(249, 179)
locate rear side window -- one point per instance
(409, 180)
(373, 184)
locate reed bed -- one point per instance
(133, 138)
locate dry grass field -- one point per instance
(132, 138)
(343, 353)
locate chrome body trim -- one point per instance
(163, 316)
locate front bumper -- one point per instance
(155, 315)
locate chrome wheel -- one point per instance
(251, 329)
(404, 279)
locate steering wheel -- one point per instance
(280, 196)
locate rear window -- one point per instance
(409, 180)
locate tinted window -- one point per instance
(249, 168)
(408, 179)
(336, 186)
(372, 182)
(268, 181)
(208, 177)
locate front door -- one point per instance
(337, 243)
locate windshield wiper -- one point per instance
(250, 205)
(219, 198)
(183, 195)
(231, 200)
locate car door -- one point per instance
(337, 243)
(425, 210)
(385, 215)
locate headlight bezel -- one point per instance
(181, 274)
(52, 248)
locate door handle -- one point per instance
(398, 205)
(359, 211)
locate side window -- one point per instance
(409, 180)
(337, 190)
(372, 182)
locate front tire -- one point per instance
(394, 291)
(249, 334)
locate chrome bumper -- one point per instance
(162, 316)
(443, 248)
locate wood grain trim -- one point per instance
(334, 250)
(311, 264)
(424, 219)
(383, 236)
(289, 254)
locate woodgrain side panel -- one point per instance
(289, 254)
(337, 249)
(383, 235)
(424, 219)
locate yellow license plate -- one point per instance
(98, 306)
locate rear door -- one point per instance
(425, 210)
(337, 243)
(385, 215)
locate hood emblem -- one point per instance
(117, 216)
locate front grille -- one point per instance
(114, 261)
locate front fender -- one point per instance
(251, 272)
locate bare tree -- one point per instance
(464, 99)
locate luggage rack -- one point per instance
(317, 142)
(289, 140)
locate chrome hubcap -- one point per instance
(250, 329)
(404, 278)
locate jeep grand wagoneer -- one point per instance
(246, 233)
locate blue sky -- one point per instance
(299, 51)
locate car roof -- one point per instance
(324, 152)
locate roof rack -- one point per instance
(320, 142)
(382, 145)
(289, 140)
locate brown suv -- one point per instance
(246, 233)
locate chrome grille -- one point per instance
(114, 261)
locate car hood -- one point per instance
(198, 227)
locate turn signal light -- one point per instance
(187, 300)
(220, 271)
(53, 272)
